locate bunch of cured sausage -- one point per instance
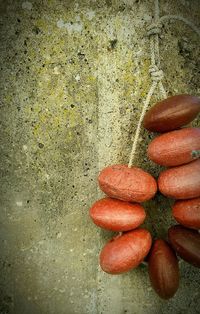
(178, 149)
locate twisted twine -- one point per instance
(156, 74)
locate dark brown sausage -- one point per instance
(172, 113)
(186, 243)
(163, 269)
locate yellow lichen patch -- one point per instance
(8, 98)
(55, 121)
(144, 81)
(128, 77)
(91, 78)
(42, 24)
(118, 23)
(128, 68)
(32, 54)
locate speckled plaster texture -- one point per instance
(74, 76)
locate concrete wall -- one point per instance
(74, 75)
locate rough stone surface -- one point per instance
(74, 75)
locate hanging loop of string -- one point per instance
(156, 74)
(154, 28)
(182, 19)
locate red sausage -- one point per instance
(116, 215)
(163, 269)
(125, 252)
(187, 212)
(172, 113)
(127, 184)
(186, 243)
(175, 148)
(182, 182)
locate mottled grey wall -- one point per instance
(74, 75)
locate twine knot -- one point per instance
(154, 29)
(156, 74)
